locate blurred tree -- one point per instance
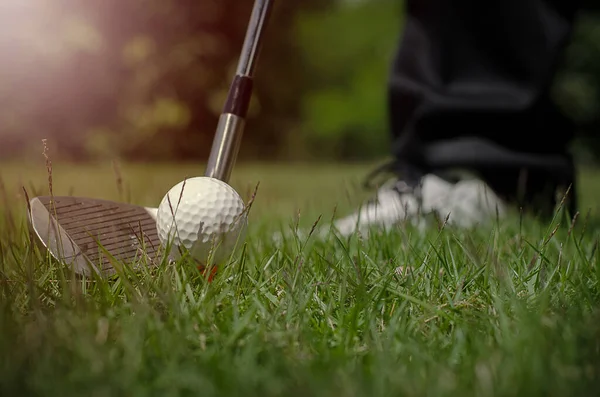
(349, 53)
(283, 80)
(577, 89)
(173, 59)
(144, 79)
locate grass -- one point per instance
(505, 310)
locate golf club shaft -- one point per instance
(231, 125)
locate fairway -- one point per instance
(509, 309)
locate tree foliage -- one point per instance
(143, 79)
(349, 53)
(147, 79)
(577, 88)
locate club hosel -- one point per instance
(225, 147)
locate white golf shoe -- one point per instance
(465, 202)
(456, 198)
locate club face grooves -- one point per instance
(94, 227)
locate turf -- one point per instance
(508, 309)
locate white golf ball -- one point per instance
(204, 215)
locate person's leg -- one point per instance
(470, 87)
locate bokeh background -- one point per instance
(145, 80)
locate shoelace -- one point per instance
(408, 178)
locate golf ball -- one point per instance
(203, 215)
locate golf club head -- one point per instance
(89, 235)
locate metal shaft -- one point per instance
(230, 128)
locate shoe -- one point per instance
(454, 197)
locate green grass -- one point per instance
(509, 309)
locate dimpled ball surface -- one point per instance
(204, 215)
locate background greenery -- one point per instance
(146, 79)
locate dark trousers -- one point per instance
(471, 87)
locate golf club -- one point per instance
(91, 235)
